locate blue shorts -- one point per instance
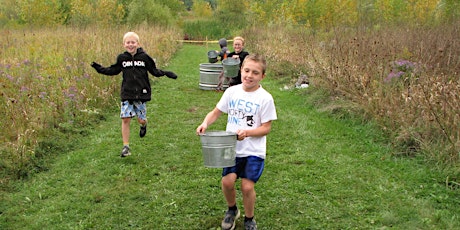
(247, 167)
(133, 108)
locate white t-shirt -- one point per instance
(247, 110)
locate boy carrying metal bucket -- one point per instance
(250, 110)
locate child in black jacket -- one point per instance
(238, 53)
(135, 87)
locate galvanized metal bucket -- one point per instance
(231, 67)
(219, 149)
(209, 76)
(212, 56)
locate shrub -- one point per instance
(205, 28)
(149, 12)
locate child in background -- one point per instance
(250, 110)
(135, 64)
(238, 53)
(223, 53)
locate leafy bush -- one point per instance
(149, 12)
(39, 12)
(205, 28)
(107, 13)
(202, 9)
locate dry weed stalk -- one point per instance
(407, 79)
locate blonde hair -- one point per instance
(130, 34)
(239, 38)
(258, 59)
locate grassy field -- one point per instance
(321, 172)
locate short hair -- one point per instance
(239, 38)
(257, 58)
(131, 34)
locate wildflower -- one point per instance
(71, 93)
(42, 95)
(10, 77)
(402, 68)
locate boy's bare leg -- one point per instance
(142, 122)
(125, 129)
(249, 196)
(125, 136)
(228, 188)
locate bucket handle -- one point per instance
(204, 134)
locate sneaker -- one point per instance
(250, 225)
(228, 223)
(143, 131)
(125, 151)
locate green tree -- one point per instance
(150, 12)
(104, 12)
(451, 9)
(175, 6)
(232, 14)
(202, 8)
(39, 12)
(188, 4)
(8, 13)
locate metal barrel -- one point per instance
(209, 76)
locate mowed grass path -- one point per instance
(321, 172)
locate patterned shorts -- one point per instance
(133, 108)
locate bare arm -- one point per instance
(210, 118)
(263, 130)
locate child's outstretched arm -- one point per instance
(111, 70)
(152, 68)
(210, 118)
(170, 74)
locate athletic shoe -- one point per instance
(143, 131)
(125, 151)
(228, 223)
(250, 225)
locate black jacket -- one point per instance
(136, 83)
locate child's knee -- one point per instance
(228, 182)
(247, 186)
(142, 121)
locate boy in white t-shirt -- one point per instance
(250, 109)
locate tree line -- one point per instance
(305, 13)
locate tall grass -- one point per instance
(200, 29)
(47, 84)
(321, 172)
(407, 79)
